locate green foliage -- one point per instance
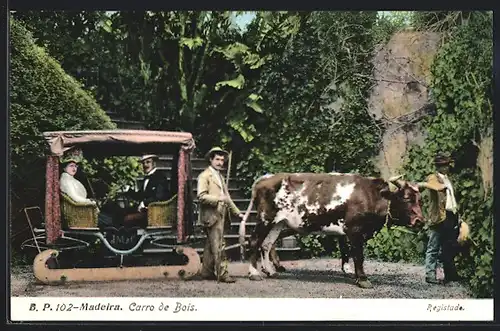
(112, 175)
(314, 93)
(290, 94)
(396, 245)
(462, 89)
(212, 71)
(195, 66)
(312, 245)
(42, 98)
(389, 23)
(441, 21)
(318, 245)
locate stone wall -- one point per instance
(400, 95)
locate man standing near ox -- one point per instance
(215, 208)
(444, 226)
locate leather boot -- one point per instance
(227, 279)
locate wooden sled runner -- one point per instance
(47, 275)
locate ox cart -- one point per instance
(71, 247)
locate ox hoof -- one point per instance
(255, 277)
(265, 271)
(365, 283)
(280, 268)
(270, 274)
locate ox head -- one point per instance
(405, 204)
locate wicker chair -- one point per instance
(78, 214)
(163, 213)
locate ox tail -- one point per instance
(242, 229)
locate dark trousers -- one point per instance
(112, 214)
(448, 231)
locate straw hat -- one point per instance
(149, 156)
(214, 150)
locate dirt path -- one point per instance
(315, 278)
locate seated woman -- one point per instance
(73, 188)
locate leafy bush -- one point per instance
(318, 245)
(396, 245)
(311, 245)
(42, 98)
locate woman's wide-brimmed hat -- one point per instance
(72, 155)
(214, 150)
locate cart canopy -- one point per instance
(119, 142)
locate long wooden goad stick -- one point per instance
(223, 248)
(242, 250)
(228, 170)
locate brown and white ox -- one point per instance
(348, 206)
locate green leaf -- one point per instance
(237, 83)
(255, 106)
(468, 183)
(191, 43)
(106, 25)
(233, 50)
(254, 97)
(255, 61)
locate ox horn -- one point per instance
(396, 180)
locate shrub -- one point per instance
(42, 98)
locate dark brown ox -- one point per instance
(349, 206)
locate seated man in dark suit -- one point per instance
(154, 188)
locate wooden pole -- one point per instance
(226, 214)
(228, 170)
(242, 250)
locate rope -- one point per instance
(401, 229)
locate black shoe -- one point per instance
(431, 280)
(227, 279)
